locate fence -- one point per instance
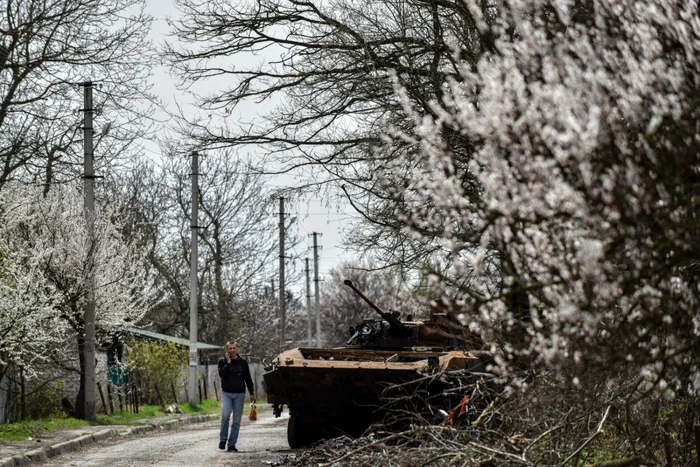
(116, 390)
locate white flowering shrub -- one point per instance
(562, 173)
(583, 142)
(44, 261)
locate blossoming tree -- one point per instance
(580, 244)
(46, 254)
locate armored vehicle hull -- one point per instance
(340, 391)
(389, 367)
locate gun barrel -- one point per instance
(391, 319)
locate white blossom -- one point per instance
(577, 129)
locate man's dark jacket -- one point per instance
(235, 376)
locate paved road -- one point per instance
(259, 443)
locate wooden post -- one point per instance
(216, 392)
(204, 382)
(132, 398)
(187, 393)
(200, 391)
(160, 397)
(102, 397)
(22, 395)
(136, 399)
(120, 396)
(109, 397)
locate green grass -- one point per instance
(37, 428)
(207, 406)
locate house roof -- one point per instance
(176, 340)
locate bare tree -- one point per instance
(259, 323)
(327, 73)
(46, 50)
(238, 238)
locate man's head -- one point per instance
(232, 348)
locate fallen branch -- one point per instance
(627, 462)
(590, 439)
(487, 411)
(499, 453)
(366, 446)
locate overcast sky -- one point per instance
(311, 216)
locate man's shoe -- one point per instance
(232, 448)
(222, 445)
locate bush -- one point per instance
(44, 400)
(156, 364)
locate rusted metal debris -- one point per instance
(342, 391)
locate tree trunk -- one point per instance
(80, 400)
(22, 395)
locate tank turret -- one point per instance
(387, 332)
(390, 332)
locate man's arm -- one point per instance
(249, 382)
(222, 367)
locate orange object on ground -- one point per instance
(459, 410)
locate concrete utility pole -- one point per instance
(89, 313)
(308, 303)
(194, 225)
(318, 310)
(282, 310)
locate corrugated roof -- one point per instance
(176, 340)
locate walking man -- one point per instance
(235, 376)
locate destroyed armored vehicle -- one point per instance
(334, 391)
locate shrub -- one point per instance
(156, 364)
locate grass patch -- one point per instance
(20, 431)
(36, 428)
(206, 407)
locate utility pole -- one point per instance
(318, 311)
(308, 303)
(89, 206)
(282, 310)
(194, 225)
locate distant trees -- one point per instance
(238, 242)
(258, 316)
